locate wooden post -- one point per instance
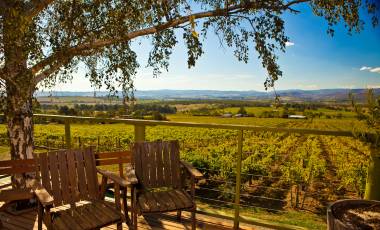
(139, 133)
(372, 188)
(67, 134)
(238, 179)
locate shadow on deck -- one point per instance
(28, 221)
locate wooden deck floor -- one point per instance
(28, 221)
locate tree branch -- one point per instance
(38, 6)
(53, 68)
(94, 46)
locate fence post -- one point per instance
(372, 189)
(238, 179)
(139, 133)
(67, 134)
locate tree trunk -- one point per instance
(19, 88)
(19, 116)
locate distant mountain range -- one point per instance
(322, 95)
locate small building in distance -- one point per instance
(227, 115)
(240, 115)
(297, 117)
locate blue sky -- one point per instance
(313, 60)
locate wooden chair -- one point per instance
(69, 178)
(117, 160)
(160, 186)
(8, 193)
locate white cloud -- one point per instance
(289, 44)
(370, 69)
(375, 70)
(365, 68)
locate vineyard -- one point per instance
(286, 178)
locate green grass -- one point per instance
(259, 217)
(4, 153)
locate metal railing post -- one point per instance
(372, 188)
(238, 179)
(139, 133)
(67, 134)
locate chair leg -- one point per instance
(134, 220)
(119, 226)
(179, 213)
(125, 207)
(193, 220)
(40, 215)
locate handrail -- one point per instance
(201, 125)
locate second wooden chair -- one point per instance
(160, 185)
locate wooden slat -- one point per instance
(153, 165)
(92, 181)
(16, 170)
(178, 203)
(63, 172)
(83, 188)
(73, 181)
(76, 217)
(10, 163)
(153, 206)
(84, 220)
(160, 167)
(174, 157)
(137, 162)
(185, 199)
(101, 162)
(97, 217)
(167, 199)
(15, 194)
(69, 221)
(120, 154)
(162, 204)
(167, 168)
(110, 213)
(145, 165)
(86, 213)
(56, 187)
(143, 203)
(45, 174)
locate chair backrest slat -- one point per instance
(54, 174)
(167, 175)
(63, 175)
(83, 189)
(73, 180)
(160, 165)
(69, 175)
(45, 175)
(92, 180)
(174, 154)
(157, 164)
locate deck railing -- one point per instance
(140, 134)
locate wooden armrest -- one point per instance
(41, 193)
(115, 178)
(193, 171)
(130, 174)
(15, 194)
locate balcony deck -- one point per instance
(28, 221)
